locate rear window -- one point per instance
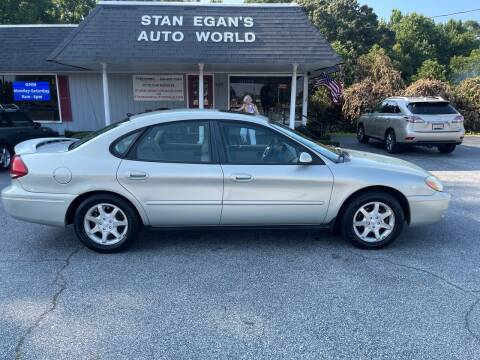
(431, 108)
(93, 135)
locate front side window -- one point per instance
(17, 119)
(183, 141)
(257, 145)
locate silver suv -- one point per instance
(399, 121)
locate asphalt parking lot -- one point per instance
(251, 294)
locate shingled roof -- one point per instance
(110, 34)
(26, 47)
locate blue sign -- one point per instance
(31, 91)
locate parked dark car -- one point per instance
(15, 127)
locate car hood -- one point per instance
(370, 160)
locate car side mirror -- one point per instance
(305, 158)
(37, 125)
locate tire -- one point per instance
(370, 240)
(111, 243)
(446, 148)
(361, 137)
(391, 142)
(6, 155)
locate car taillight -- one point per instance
(18, 167)
(458, 119)
(414, 119)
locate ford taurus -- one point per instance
(207, 168)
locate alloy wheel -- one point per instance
(105, 224)
(389, 142)
(5, 157)
(374, 221)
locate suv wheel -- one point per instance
(391, 142)
(446, 148)
(106, 223)
(5, 156)
(361, 137)
(373, 220)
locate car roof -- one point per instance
(411, 99)
(196, 114)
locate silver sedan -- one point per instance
(204, 168)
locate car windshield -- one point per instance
(330, 152)
(431, 108)
(94, 134)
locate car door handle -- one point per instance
(242, 177)
(137, 175)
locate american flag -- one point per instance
(336, 89)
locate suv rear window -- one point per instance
(431, 108)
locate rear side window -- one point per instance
(183, 141)
(431, 108)
(121, 146)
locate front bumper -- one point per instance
(428, 209)
(41, 208)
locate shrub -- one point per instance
(380, 79)
(467, 95)
(429, 87)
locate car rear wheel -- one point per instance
(106, 223)
(361, 137)
(446, 148)
(5, 156)
(373, 220)
(391, 142)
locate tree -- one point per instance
(457, 39)
(25, 12)
(468, 102)
(462, 67)
(71, 11)
(379, 79)
(344, 21)
(416, 38)
(431, 70)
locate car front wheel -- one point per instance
(5, 156)
(106, 223)
(446, 148)
(373, 220)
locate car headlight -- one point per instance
(433, 183)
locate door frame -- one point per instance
(188, 88)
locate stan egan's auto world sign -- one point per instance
(158, 88)
(212, 23)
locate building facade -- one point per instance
(132, 56)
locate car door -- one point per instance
(381, 115)
(264, 183)
(174, 173)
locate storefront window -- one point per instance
(271, 94)
(35, 94)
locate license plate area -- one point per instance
(436, 126)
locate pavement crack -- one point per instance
(62, 285)
(471, 293)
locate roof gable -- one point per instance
(136, 32)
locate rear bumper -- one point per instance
(41, 208)
(431, 138)
(428, 209)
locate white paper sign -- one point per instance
(158, 88)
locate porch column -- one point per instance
(293, 96)
(305, 99)
(201, 96)
(106, 99)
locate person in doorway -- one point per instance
(248, 106)
(248, 135)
